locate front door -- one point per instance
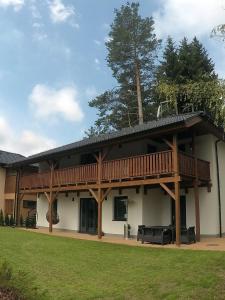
(88, 215)
(182, 211)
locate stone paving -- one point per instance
(209, 243)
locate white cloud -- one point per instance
(59, 12)
(188, 17)
(27, 142)
(16, 4)
(49, 103)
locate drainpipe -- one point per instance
(16, 218)
(218, 186)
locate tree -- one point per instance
(219, 31)
(132, 49)
(186, 78)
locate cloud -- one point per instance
(49, 103)
(180, 18)
(16, 4)
(59, 12)
(26, 142)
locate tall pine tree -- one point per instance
(131, 56)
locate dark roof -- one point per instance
(126, 132)
(9, 158)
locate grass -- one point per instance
(77, 269)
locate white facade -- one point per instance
(153, 207)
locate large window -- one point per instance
(120, 208)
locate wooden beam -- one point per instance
(93, 194)
(171, 193)
(177, 209)
(122, 184)
(106, 194)
(168, 143)
(177, 188)
(51, 197)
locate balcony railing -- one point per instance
(141, 166)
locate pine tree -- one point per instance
(186, 79)
(2, 223)
(132, 49)
(169, 67)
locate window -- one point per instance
(29, 204)
(120, 208)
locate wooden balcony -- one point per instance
(153, 165)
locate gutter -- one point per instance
(218, 185)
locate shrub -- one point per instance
(2, 223)
(11, 221)
(20, 284)
(7, 223)
(21, 221)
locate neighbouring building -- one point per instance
(8, 186)
(168, 171)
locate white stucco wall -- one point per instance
(68, 211)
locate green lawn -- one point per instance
(76, 269)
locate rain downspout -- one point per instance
(218, 186)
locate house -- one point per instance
(8, 183)
(167, 171)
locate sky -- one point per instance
(53, 61)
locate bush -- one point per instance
(11, 221)
(7, 222)
(20, 284)
(21, 221)
(2, 222)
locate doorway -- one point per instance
(88, 215)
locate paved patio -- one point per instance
(209, 243)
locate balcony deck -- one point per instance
(155, 165)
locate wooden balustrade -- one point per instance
(35, 181)
(10, 184)
(154, 164)
(73, 175)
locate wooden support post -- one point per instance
(177, 209)
(51, 197)
(99, 196)
(177, 188)
(196, 190)
(99, 213)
